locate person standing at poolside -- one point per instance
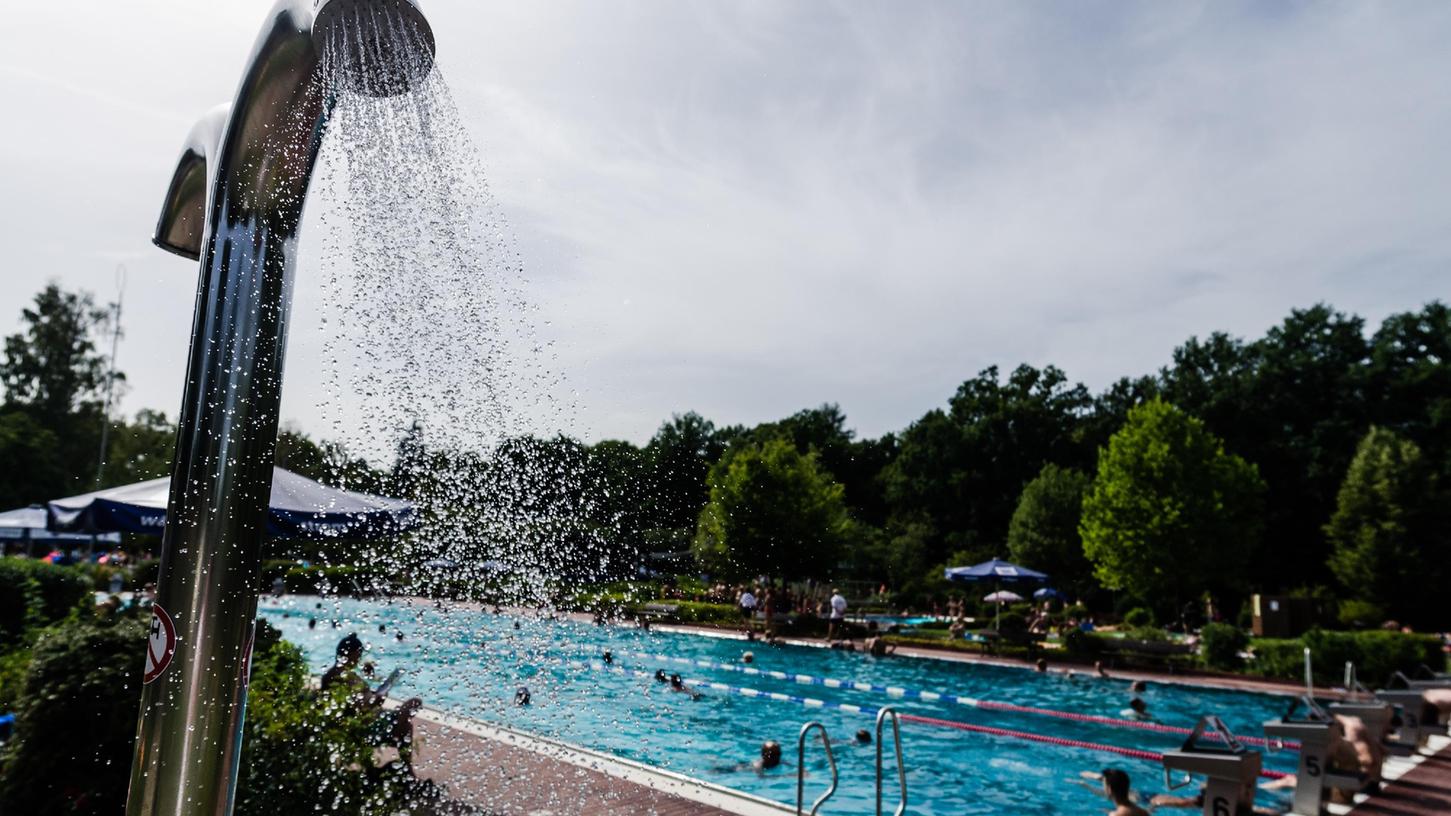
(747, 603)
(837, 621)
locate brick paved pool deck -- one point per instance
(1423, 789)
(510, 773)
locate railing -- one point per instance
(901, 768)
(801, 769)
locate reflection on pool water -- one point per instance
(470, 662)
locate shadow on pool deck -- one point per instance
(1423, 791)
(512, 774)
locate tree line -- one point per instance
(1314, 459)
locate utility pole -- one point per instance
(111, 373)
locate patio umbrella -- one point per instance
(1003, 596)
(298, 508)
(996, 571)
(1047, 594)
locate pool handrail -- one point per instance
(801, 769)
(901, 768)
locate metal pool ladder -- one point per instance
(801, 769)
(901, 769)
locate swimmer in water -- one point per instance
(660, 676)
(863, 736)
(1138, 710)
(521, 696)
(608, 657)
(770, 755)
(676, 684)
(769, 759)
(748, 657)
(1115, 788)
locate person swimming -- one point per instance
(863, 736)
(521, 696)
(1138, 710)
(608, 657)
(770, 755)
(660, 676)
(677, 684)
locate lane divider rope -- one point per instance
(942, 696)
(811, 702)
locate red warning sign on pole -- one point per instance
(160, 645)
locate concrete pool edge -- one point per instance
(670, 783)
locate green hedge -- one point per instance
(62, 589)
(1220, 645)
(302, 752)
(19, 601)
(34, 593)
(697, 611)
(1376, 655)
(335, 580)
(76, 721)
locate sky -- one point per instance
(750, 208)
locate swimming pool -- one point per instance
(470, 662)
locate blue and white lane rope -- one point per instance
(925, 696)
(812, 702)
(809, 702)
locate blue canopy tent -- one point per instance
(299, 508)
(996, 571)
(27, 526)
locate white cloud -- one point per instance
(750, 208)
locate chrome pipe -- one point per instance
(235, 204)
(801, 769)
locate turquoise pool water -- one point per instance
(470, 662)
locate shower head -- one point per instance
(374, 47)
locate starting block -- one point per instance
(1316, 731)
(1231, 771)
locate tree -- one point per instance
(1304, 410)
(33, 470)
(1389, 549)
(1170, 514)
(53, 375)
(1410, 380)
(1043, 533)
(772, 510)
(141, 449)
(961, 470)
(678, 459)
(53, 367)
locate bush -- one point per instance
(332, 580)
(62, 589)
(13, 666)
(19, 601)
(1139, 618)
(1012, 622)
(76, 721)
(1147, 634)
(1220, 645)
(699, 611)
(1360, 614)
(305, 752)
(1376, 655)
(1083, 644)
(302, 751)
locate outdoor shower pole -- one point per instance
(235, 204)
